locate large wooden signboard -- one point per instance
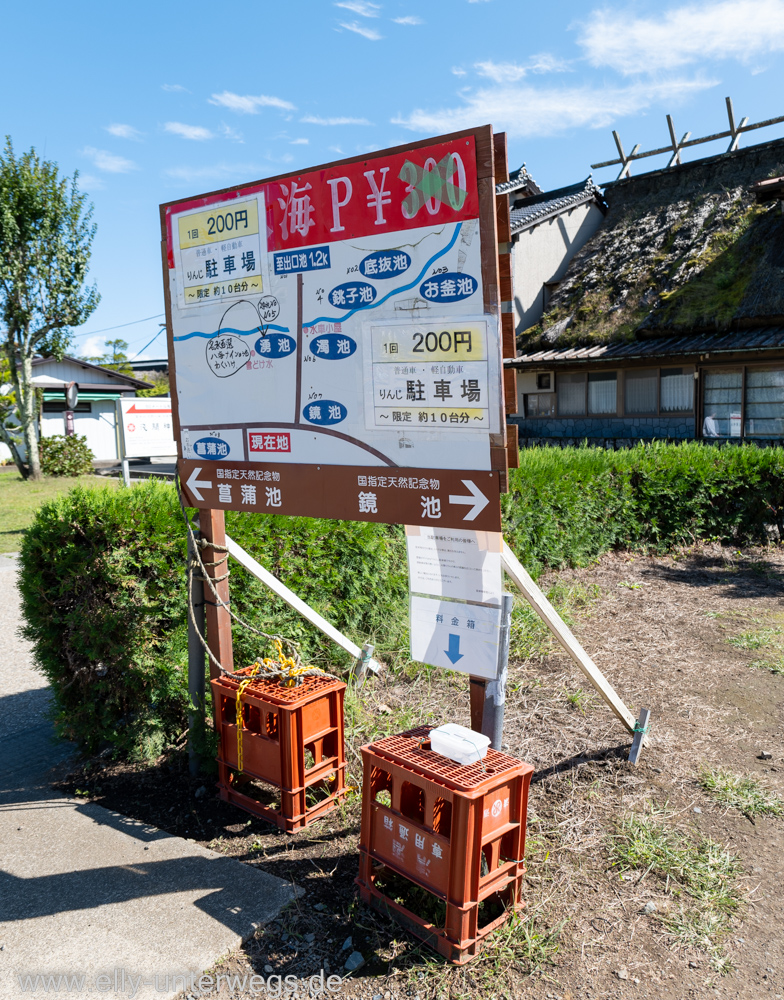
(334, 339)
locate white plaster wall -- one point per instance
(98, 426)
(542, 254)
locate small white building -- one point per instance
(548, 229)
(95, 416)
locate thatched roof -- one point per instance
(681, 251)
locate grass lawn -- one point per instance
(19, 500)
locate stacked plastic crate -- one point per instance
(292, 746)
(456, 831)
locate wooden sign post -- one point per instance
(336, 339)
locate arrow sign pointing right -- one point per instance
(453, 652)
(477, 501)
(194, 483)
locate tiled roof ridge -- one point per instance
(553, 203)
(764, 337)
(518, 179)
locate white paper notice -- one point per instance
(446, 562)
(455, 636)
(146, 425)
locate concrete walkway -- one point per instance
(87, 892)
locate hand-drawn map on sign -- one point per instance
(339, 317)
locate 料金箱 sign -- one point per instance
(455, 636)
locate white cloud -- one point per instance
(508, 72)
(501, 72)
(108, 161)
(300, 142)
(89, 182)
(124, 131)
(196, 132)
(360, 7)
(359, 29)
(530, 111)
(458, 71)
(730, 29)
(410, 19)
(315, 120)
(231, 133)
(225, 171)
(248, 104)
(93, 347)
(546, 62)
(336, 149)
(174, 88)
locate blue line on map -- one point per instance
(337, 319)
(230, 329)
(395, 291)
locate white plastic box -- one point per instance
(459, 744)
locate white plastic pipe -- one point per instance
(274, 584)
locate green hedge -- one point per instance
(566, 506)
(103, 571)
(104, 602)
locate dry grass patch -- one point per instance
(700, 874)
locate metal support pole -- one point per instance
(495, 691)
(196, 666)
(364, 661)
(126, 472)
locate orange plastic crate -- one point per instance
(282, 728)
(457, 831)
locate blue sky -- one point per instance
(157, 101)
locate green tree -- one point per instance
(116, 357)
(9, 417)
(160, 384)
(46, 236)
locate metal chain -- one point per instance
(210, 581)
(290, 667)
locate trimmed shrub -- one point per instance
(104, 607)
(65, 455)
(103, 571)
(105, 604)
(566, 506)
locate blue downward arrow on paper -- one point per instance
(453, 652)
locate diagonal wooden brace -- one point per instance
(514, 569)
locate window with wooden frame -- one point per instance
(603, 393)
(743, 402)
(641, 391)
(658, 391)
(594, 393)
(55, 406)
(676, 392)
(764, 403)
(540, 404)
(570, 390)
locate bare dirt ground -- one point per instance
(695, 637)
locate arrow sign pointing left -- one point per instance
(477, 501)
(194, 484)
(453, 652)
(144, 410)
